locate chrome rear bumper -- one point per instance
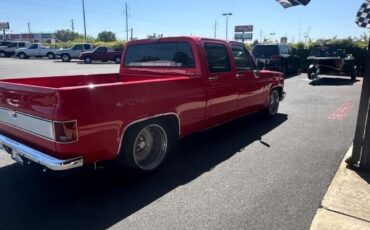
(19, 151)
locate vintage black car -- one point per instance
(331, 61)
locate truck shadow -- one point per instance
(332, 82)
(99, 199)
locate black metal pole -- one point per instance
(362, 122)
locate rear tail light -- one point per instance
(65, 131)
(275, 58)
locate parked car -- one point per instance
(101, 53)
(277, 57)
(35, 50)
(166, 89)
(330, 60)
(74, 52)
(5, 43)
(9, 50)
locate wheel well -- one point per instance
(172, 122)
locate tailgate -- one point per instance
(26, 114)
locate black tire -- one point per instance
(273, 104)
(284, 69)
(87, 60)
(22, 56)
(2, 54)
(117, 60)
(354, 74)
(145, 146)
(65, 57)
(312, 73)
(50, 55)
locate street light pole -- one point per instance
(83, 11)
(227, 22)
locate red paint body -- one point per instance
(105, 104)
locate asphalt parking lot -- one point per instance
(252, 173)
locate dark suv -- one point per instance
(277, 57)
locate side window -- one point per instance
(217, 57)
(78, 47)
(242, 58)
(34, 46)
(87, 46)
(22, 44)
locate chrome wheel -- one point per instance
(273, 103)
(2, 54)
(88, 60)
(51, 56)
(150, 147)
(65, 57)
(117, 60)
(22, 56)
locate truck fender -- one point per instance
(162, 115)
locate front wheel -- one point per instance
(2, 54)
(65, 58)
(353, 74)
(273, 104)
(22, 56)
(145, 146)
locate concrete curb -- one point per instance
(346, 204)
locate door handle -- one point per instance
(238, 75)
(213, 78)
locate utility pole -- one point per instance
(227, 22)
(83, 11)
(215, 35)
(73, 25)
(29, 32)
(132, 33)
(126, 21)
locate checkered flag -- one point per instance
(290, 3)
(363, 15)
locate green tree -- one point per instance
(107, 36)
(66, 35)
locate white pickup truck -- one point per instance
(35, 50)
(74, 52)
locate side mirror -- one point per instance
(260, 65)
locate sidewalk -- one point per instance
(346, 204)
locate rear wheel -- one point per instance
(88, 60)
(117, 60)
(273, 104)
(2, 54)
(51, 56)
(65, 58)
(145, 146)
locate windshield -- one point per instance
(174, 54)
(265, 51)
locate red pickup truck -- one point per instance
(166, 89)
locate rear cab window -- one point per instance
(242, 58)
(265, 51)
(160, 54)
(217, 57)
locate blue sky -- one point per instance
(320, 19)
